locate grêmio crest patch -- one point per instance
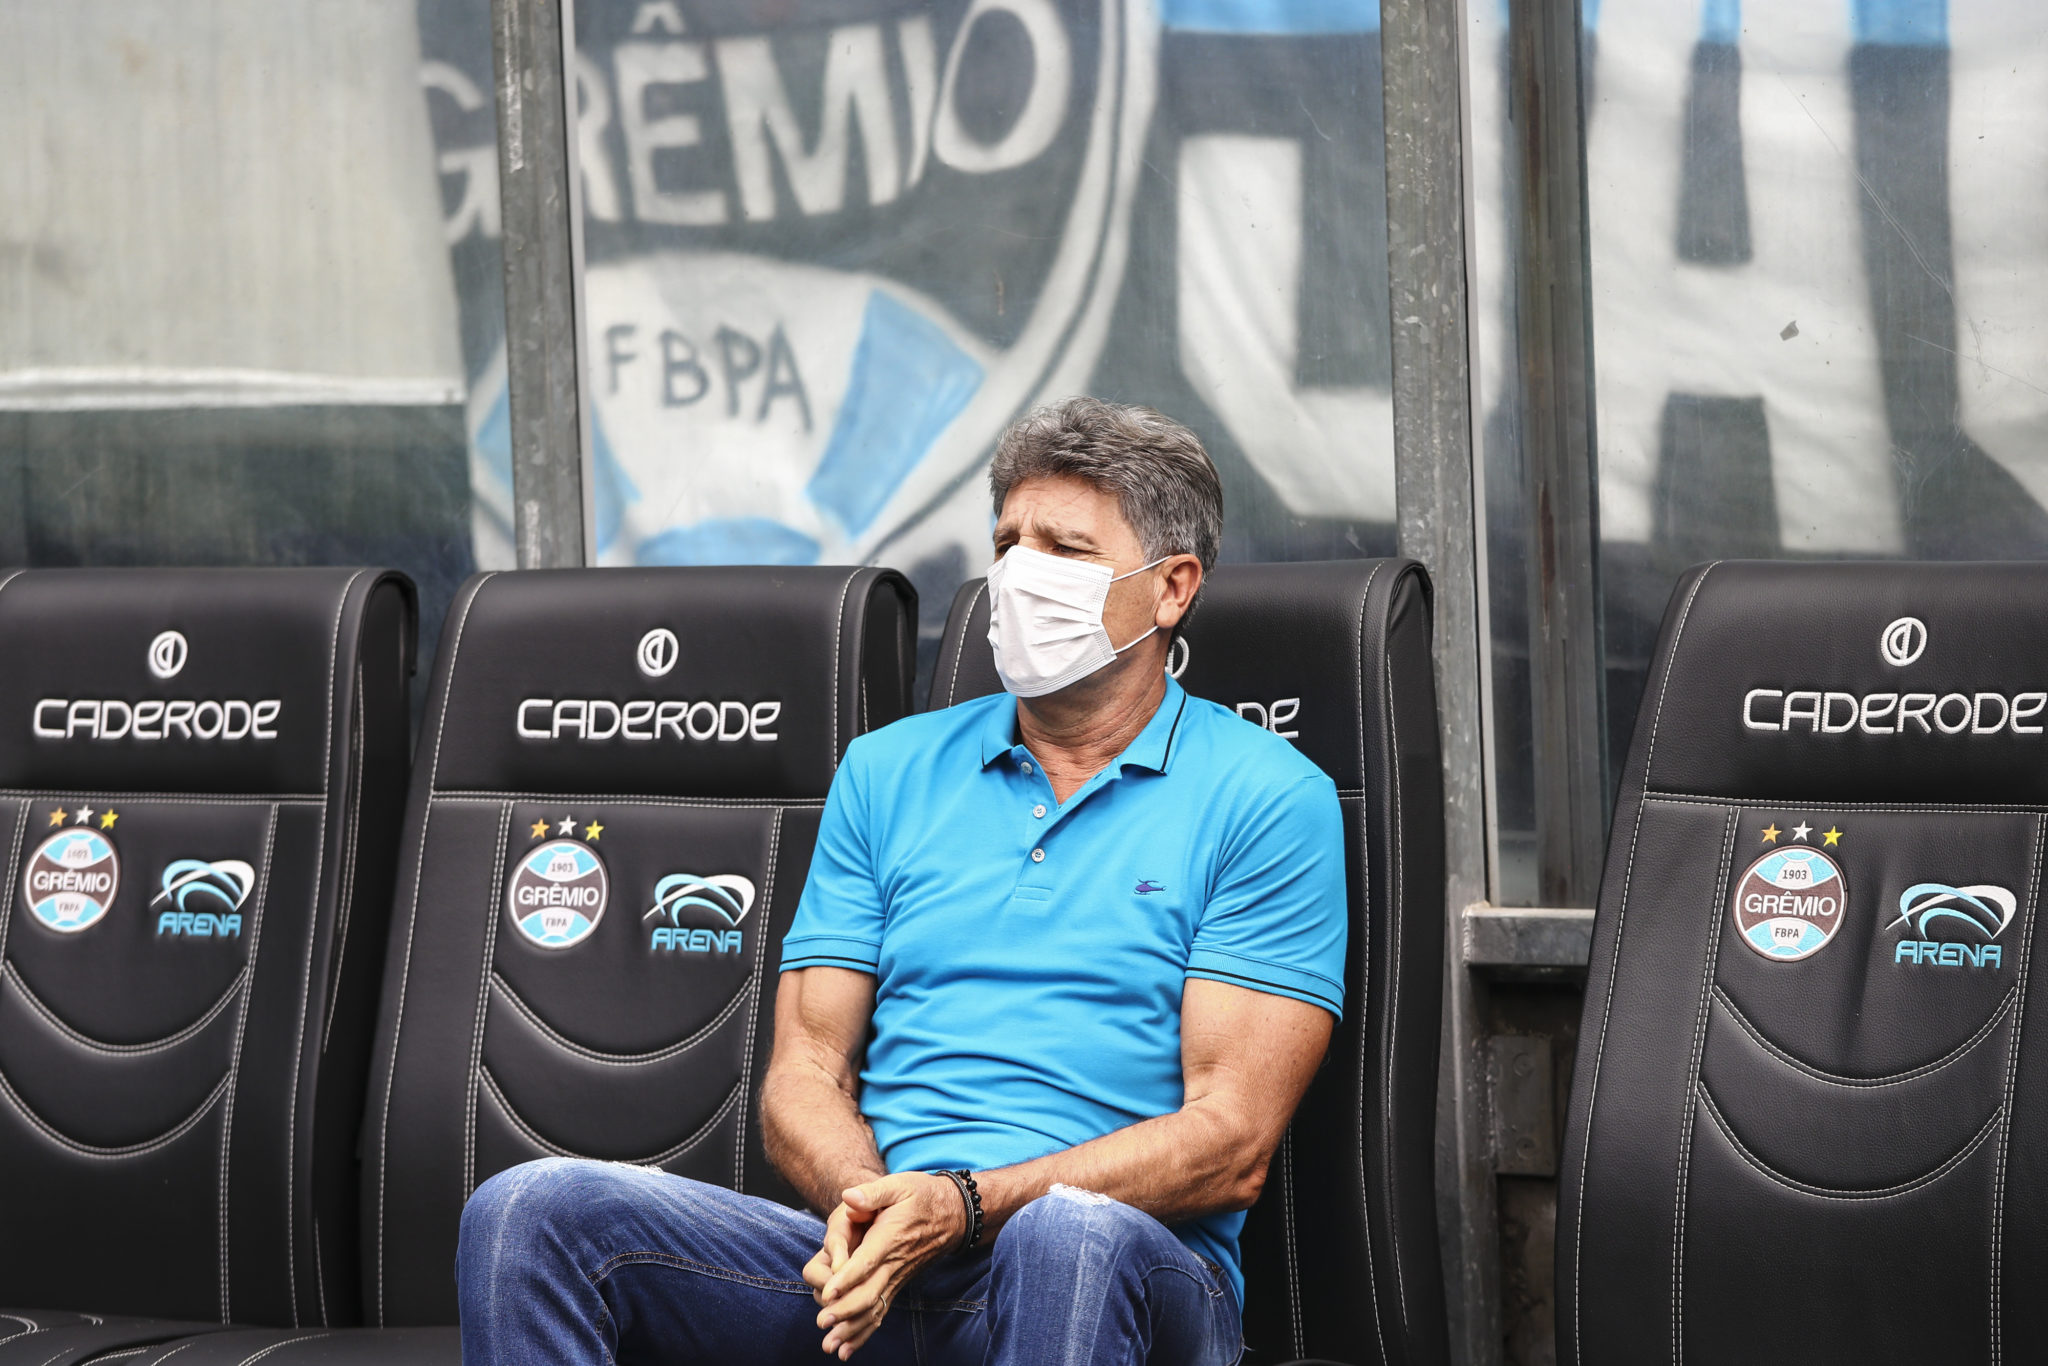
(1790, 904)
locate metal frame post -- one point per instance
(543, 332)
(1437, 505)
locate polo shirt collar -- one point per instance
(1153, 749)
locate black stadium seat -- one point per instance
(1340, 1255)
(1808, 1117)
(611, 818)
(200, 777)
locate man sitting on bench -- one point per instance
(1065, 964)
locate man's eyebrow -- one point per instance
(1064, 535)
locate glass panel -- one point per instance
(228, 314)
(1497, 436)
(833, 249)
(1818, 290)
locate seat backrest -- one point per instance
(1340, 1254)
(611, 819)
(199, 779)
(1810, 1105)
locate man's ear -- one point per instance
(1179, 583)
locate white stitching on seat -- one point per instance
(350, 838)
(953, 683)
(463, 794)
(291, 1185)
(489, 1084)
(412, 920)
(1288, 1235)
(159, 799)
(658, 1055)
(838, 664)
(1372, 1280)
(739, 1152)
(320, 1276)
(1876, 808)
(288, 1342)
(8, 972)
(1614, 960)
(1925, 1179)
(1394, 1006)
(227, 1118)
(104, 1154)
(485, 973)
(1692, 1079)
(13, 867)
(2006, 1109)
(1984, 1031)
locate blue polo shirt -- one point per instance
(1029, 957)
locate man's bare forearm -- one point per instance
(810, 1109)
(1176, 1167)
(815, 1135)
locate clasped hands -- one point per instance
(882, 1234)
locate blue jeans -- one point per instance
(566, 1261)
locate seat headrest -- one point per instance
(722, 681)
(1280, 643)
(1853, 682)
(175, 680)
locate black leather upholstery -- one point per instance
(653, 746)
(1341, 1252)
(1808, 1115)
(200, 773)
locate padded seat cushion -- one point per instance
(199, 779)
(312, 1347)
(1812, 1086)
(61, 1338)
(611, 820)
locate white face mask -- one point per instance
(1045, 619)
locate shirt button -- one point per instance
(1026, 765)
(1039, 811)
(1038, 855)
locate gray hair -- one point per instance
(1163, 480)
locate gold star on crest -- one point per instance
(107, 820)
(59, 816)
(593, 830)
(539, 828)
(1771, 833)
(1831, 835)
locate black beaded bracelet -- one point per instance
(970, 1197)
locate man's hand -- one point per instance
(882, 1234)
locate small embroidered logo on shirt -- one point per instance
(1146, 886)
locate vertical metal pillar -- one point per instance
(1554, 333)
(1437, 506)
(543, 339)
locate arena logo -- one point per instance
(723, 898)
(202, 899)
(58, 718)
(1952, 927)
(71, 879)
(1789, 904)
(557, 893)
